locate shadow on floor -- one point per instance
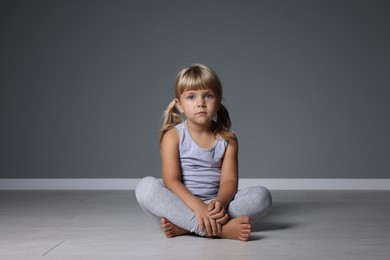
(274, 218)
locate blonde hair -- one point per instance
(197, 77)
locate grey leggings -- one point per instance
(159, 201)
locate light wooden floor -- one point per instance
(110, 225)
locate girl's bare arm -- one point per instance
(229, 173)
(228, 185)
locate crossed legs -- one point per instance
(248, 206)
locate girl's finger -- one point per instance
(211, 205)
(201, 226)
(218, 214)
(209, 230)
(223, 220)
(213, 212)
(214, 227)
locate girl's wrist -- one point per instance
(196, 204)
(224, 204)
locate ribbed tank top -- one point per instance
(200, 168)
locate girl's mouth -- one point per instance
(201, 113)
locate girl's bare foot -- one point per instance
(171, 230)
(237, 228)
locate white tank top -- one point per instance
(200, 168)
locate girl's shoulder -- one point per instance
(232, 140)
(171, 136)
(232, 137)
(169, 145)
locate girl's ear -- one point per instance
(178, 105)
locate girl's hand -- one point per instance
(218, 212)
(206, 223)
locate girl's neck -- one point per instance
(203, 136)
(199, 129)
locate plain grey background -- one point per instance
(84, 83)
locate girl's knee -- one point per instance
(263, 196)
(144, 188)
(146, 181)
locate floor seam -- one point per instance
(53, 247)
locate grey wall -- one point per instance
(84, 83)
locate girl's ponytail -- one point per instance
(171, 117)
(223, 122)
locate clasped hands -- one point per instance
(211, 217)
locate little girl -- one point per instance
(199, 193)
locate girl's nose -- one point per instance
(201, 103)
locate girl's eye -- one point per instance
(209, 96)
(191, 97)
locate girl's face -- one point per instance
(199, 106)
